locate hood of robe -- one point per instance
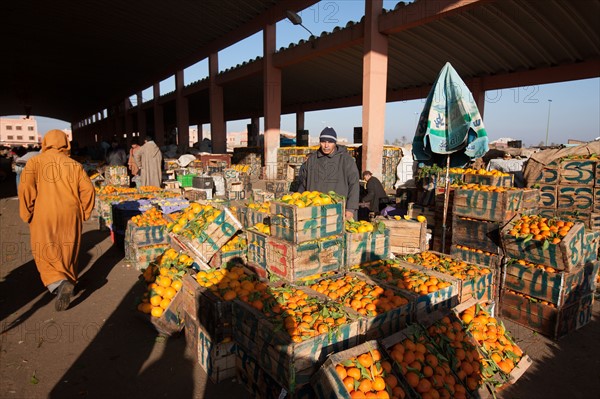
(56, 139)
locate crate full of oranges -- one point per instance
(542, 240)
(365, 241)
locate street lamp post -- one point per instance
(548, 122)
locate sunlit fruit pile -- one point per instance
(261, 228)
(525, 263)
(366, 299)
(425, 370)
(194, 220)
(531, 299)
(445, 264)
(479, 251)
(164, 283)
(534, 227)
(116, 190)
(481, 187)
(369, 376)
(465, 360)
(264, 207)
(361, 226)
(405, 278)
(493, 337)
(241, 168)
(227, 284)
(149, 189)
(237, 243)
(301, 315)
(310, 198)
(483, 172)
(152, 217)
(172, 258)
(420, 218)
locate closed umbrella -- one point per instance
(450, 129)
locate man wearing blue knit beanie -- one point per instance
(331, 168)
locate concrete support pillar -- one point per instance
(141, 116)
(374, 89)
(218, 130)
(272, 102)
(128, 121)
(476, 87)
(253, 128)
(299, 121)
(182, 112)
(159, 120)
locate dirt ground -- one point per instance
(100, 348)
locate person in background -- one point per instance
(375, 193)
(116, 155)
(149, 159)
(55, 197)
(331, 168)
(21, 162)
(131, 164)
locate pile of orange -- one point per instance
(481, 187)
(425, 370)
(264, 207)
(161, 290)
(369, 376)
(361, 226)
(405, 278)
(301, 315)
(523, 262)
(531, 299)
(227, 284)
(237, 243)
(149, 189)
(116, 189)
(172, 258)
(194, 220)
(493, 337)
(261, 228)
(479, 251)
(540, 228)
(454, 342)
(152, 217)
(309, 198)
(367, 299)
(445, 264)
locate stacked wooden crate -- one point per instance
(405, 236)
(548, 287)
(249, 156)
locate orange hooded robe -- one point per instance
(55, 197)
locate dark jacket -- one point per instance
(375, 194)
(334, 172)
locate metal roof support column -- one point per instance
(218, 130)
(299, 121)
(375, 61)
(141, 116)
(476, 86)
(253, 132)
(159, 120)
(272, 102)
(182, 112)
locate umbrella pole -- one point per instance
(446, 201)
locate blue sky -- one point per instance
(520, 113)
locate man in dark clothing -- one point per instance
(376, 195)
(331, 168)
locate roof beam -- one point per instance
(422, 12)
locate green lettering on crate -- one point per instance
(473, 200)
(538, 279)
(519, 285)
(228, 229)
(536, 320)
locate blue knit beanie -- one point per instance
(328, 134)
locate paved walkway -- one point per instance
(99, 348)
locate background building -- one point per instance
(19, 131)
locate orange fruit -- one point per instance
(155, 300)
(177, 284)
(412, 378)
(365, 385)
(365, 360)
(165, 303)
(341, 370)
(378, 384)
(353, 372)
(169, 292)
(156, 311)
(349, 383)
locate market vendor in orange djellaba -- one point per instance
(55, 197)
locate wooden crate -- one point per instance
(548, 196)
(297, 225)
(591, 245)
(406, 236)
(141, 257)
(260, 384)
(478, 234)
(490, 260)
(290, 364)
(256, 253)
(250, 217)
(485, 205)
(212, 237)
(577, 172)
(171, 322)
(565, 255)
(488, 180)
(216, 358)
(327, 383)
(296, 261)
(145, 235)
(549, 176)
(559, 288)
(361, 248)
(415, 210)
(575, 198)
(550, 321)
(531, 198)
